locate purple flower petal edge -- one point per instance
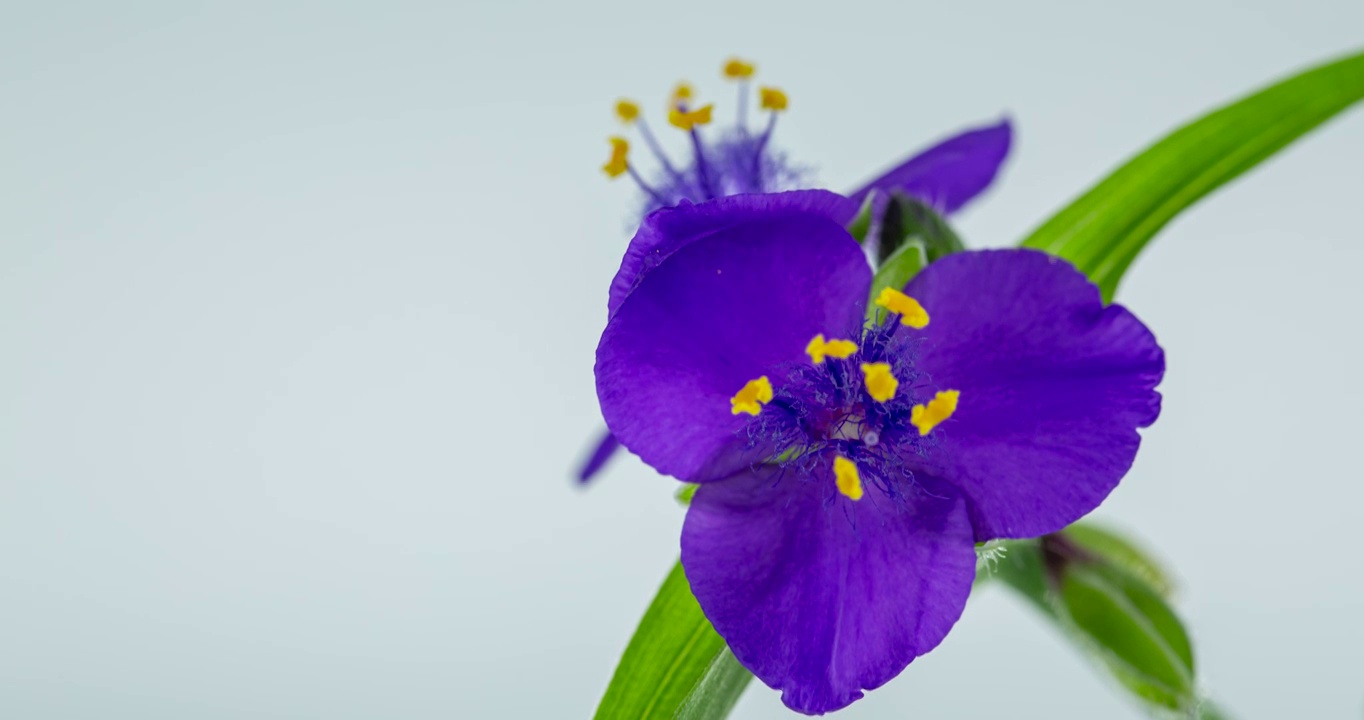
(821, 597)
(667, 230)
(1054, 385)
(949, 174)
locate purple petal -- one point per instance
(721, 311)
(666, 231)
(949, 174)
(822, 597)
(603, 451)
(1053, 387)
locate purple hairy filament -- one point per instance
(724, 161)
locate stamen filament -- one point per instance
(762, 145)
(702, 174)
(652, 142)
(743, 106)
(645, 186)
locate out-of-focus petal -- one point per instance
(949, 174)
(602, 451)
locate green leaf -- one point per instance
(718, 690)
(1104, 229)
(675, 666)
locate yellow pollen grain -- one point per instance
(688, 119)
(617, 165)
(941, 407)
(911, 312)
(819, 348)
(682, 92)
(627, 111)
(880, 382)
(736, 69)
(846, 476)
(772, 99)
(751, 397)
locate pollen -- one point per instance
(911, 312)
(688, 119)
(819, 348)
(736, 69)
(846, 476)
(682, 92)
(751, 397)
(772, 99)
(941, 407)
(627, 111)
(881, 383)
(616, 166)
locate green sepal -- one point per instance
(912, 236)
(861, 224)
(1117, 616)
(684, 494)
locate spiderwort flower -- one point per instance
(742, 159)
(850, 461)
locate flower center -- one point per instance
(854, 401)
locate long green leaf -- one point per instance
(1104, 229)
(675, 666)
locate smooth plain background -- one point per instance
(299, 302)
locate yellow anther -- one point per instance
(881, 383)
(682, 92)
(627, 110)
(616, 166)
(736, 69)
(847, 478)
(941, 407)
(819, 348)
(772, 99)
(911, 312)
(751, 398)
(687, 119)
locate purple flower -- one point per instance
(851, 460)
(742, 159)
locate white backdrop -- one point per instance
(299, 304)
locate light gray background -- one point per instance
(299, 303)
